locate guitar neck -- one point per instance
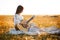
(30, 19)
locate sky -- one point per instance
(31, 7)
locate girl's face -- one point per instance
(20, 12)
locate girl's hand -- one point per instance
(25, 25)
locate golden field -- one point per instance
(40, 21)
(7, 22)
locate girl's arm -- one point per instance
(16, 27)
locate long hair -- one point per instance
(19, 9)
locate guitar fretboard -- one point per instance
(30, 19)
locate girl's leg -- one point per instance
(33, 28)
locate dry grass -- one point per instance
(28, 37)
(6, 22)
(40, 21)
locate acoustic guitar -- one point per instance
(24, 27)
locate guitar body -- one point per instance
(22, 28)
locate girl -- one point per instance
(18, 19)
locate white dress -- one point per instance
(33, 30)
(17, 19)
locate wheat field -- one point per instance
(7, 22)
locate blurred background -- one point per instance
(31, 7)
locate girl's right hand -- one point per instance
(24, 24)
